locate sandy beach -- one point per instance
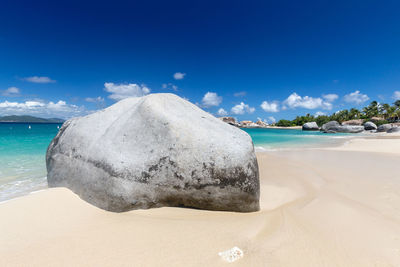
(325, 207)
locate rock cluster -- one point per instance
(244, 124)
(335, 127)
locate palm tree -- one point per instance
(385, 110)
(371, 110)
(354, 114)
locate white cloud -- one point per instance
(270, 106)
(121, 91)
(11, 91)
(211, 99)
(239, 94)
(396, 95)
(98, 99)
(271, 119)
(37, 79)
(296, 101)
(242, 108)
(222, 112)
(330, 97)
(179, 75)
(169, 86)
(356, 97)
(42, 109)
(319, 113)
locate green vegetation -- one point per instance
(379, 113)
(29, 119)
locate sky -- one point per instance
(252, 60)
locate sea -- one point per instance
(23, 149)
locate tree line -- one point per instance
(387, 113)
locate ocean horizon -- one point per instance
(23, 149)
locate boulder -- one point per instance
(369, 125)
(262, 124)
(230, 120)
(248, 124)
(384, 127)
(330, 126)
(310, 126)
(377, 119)
(154, 151)
(394, 130)
(353, 122)
(351, 129)
(335, 127)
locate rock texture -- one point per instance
(369, 125)
(353, 122)
(335, 127)
(154, 151)
(394, 130)
(384, 127)
(310, 126)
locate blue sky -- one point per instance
(247, 59)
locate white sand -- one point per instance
(319, 208)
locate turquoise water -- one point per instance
(23, 150)
(292, 138)
(22, 157)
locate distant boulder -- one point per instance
(353, 122)
(230, 120)
(154, 151)
(394, 130)
(248, 124)
(369, 125)
(377, 119)
(310, 126)
(332, 126)
(335, 127)
(261, 124)
(384, 127)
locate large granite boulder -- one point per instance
(330, 126)
(369, 125)
(335, 127)
(384, 127)
(394, 129)
(310, 126)
(157, 150)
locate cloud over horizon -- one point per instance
(307, 102)
(211, 99)
(50, 109)
(222, 112)
(122, 91)
(356, 97)
(242, 108)
(270, 106)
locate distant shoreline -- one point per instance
(275, 127)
